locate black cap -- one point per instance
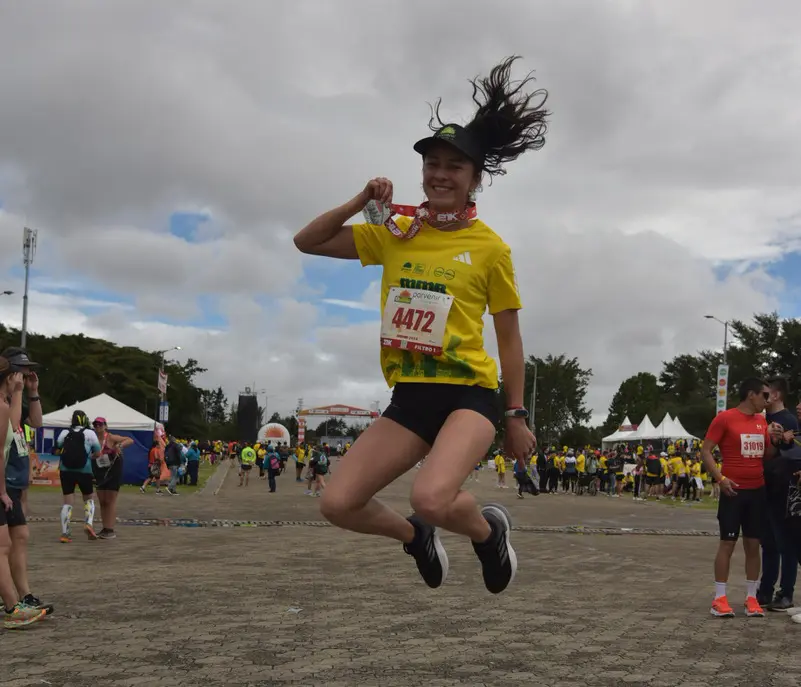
(456, 136)
(18, 358)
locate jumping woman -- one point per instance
(442, 269)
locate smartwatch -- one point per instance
(516, 412)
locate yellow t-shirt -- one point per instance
(300, 454)
(474, 266)
(695, 469)
(676, 466)
(581, 462)
(602, 462)
(500, 464)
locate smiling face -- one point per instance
(448, 178)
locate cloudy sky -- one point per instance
(167, 152)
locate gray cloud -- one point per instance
(673, 146)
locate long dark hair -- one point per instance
(507, 123)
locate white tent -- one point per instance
(646, 430)
(678, 431)
(664, 428)
(117, 414)
(621, 433)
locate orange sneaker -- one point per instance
(89, 532)
(753, 609)
(721, 609)
(65, 539)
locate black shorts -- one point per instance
(110, 478)
(746, 512)
(423, 407)
(652, 481)
(70, 480)
(247, 466)
(16, 516)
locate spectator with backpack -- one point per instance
(173, 458)
(273, 464)
(77, 447)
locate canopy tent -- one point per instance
(625, 430)
(121, 419)
(662, 430)
(645, 430)
(677, 430)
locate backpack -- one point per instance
(73, 450)
(653, 466)
(614, 464)
(275, 462)
(172, 456)
(591, 465)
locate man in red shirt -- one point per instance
(745, 441)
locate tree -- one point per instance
(636, 396)
(561, 392)
(335, 427)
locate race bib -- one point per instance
(752, 445)
(103, 461)
(21, 444)
(415, 320)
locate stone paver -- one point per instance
(211, 606)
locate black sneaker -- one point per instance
(498, 558)
(33, 602)
(780, 603)
(428, 552)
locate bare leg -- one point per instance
(437, 495)
(7, 591)
(18, 559)
(349, 500)
(723, 561)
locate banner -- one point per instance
(722, 393)
(301, 430)
(164, 411)
(162, 381)
(44, 469)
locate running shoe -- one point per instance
(795, 610)
(753, 609)
(107, 534)
(428, 552)
(796, 619)
(722, 609)
(90, 532)
(34, 602)
(65, 539)
(498, 558)
(22, 615)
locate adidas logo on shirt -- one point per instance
(464, 257)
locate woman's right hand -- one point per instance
(379, 189)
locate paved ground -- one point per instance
(310, 605)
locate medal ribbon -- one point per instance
(378, 213)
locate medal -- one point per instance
(379, 213)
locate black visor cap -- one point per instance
(457, 137)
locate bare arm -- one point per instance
(4, 415)
(709, 460)
(121, 442)
(34, 418)
(510, 350)
(329, 236)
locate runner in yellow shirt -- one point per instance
(442, 270)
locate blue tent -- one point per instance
(121, 420)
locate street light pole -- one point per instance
(162, 395)
(725, 324)
(28, 251)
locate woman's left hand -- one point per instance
(519, 442)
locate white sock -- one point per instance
(89, 511)
(720, 589)
(751, 588)
(66, 514)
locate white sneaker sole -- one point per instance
(442, 555)
(506, 518)
(796, 610)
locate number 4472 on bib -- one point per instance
(415, 320)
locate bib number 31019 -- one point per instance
(415, 320)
